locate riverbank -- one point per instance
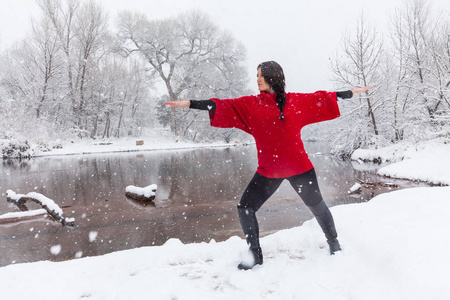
(158, 140)
(392, 246)
(392, 249)
(154, 140)
(427, 161)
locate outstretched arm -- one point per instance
(196, 104)
(350, 93)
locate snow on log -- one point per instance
(48, 204)
(21, 215)
(355, 189)
(145, 194)
(376, 184)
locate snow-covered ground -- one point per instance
(155, 140)
(426, 161)
(394, 247)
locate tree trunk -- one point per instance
(107, 125)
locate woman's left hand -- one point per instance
(357, 90)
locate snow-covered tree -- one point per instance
(120, 98)
(359, 64)
(30, 79)
(409, 73)
(79, 28)
(422, 63)
(61, 15)
(191, 56)
(64, 77)
(89, 29)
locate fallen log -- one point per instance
(145, 194)
(355, 189)
(48, 204)
(13, 217)
(376, 184)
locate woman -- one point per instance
(274, 118)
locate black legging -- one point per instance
(261, 188)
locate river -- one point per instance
(198, 191)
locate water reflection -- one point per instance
(198, 191)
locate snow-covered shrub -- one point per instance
(17, 148)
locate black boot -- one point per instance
(249, 225)
(326, 222)
(257, 260)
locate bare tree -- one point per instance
(79, 27)
(360, 63)
(65, 78)
(423, 63)
(184, 52)
(119, 99)
(62, 16)
(34, 67)
(45, 55)
(416, 32)
(89, 28)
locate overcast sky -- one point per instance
(302, 35)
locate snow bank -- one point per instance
(393, 248)
(391, 153)
(430, 164)
(428, 161)
(156, 141)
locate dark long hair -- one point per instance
(273, 74)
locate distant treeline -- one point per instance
(75, 76)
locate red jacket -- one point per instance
(280, 149)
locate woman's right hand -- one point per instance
(180, 104)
